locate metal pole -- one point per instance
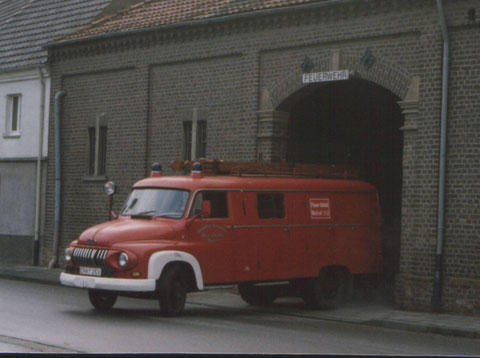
(110, 206)
(58, 182)
(437, 280)
(36, 239)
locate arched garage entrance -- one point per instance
(354, 122)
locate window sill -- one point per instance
(11, 135)
(100, 178)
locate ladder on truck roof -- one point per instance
(220, 167)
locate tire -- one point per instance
(327, 291)
(102, 300)
(172, 291)
(257, 296)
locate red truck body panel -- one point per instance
(323, 223)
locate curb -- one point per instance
(29, 278)
(424, 328)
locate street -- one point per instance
(46, 318)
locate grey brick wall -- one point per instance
(147, 85)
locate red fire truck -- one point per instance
(272, 234)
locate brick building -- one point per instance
(249, 80)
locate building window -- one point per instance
(270, 206)
(187, 135)
(201, 139)
(97, 155)
(13, 115)
(195, 139)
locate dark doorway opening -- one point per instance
(354, 122)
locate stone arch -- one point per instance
(273, 122)
(384, 74)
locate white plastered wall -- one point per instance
(28, 84)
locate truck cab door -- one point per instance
(211, 238)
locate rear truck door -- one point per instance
(272, 233)
(297, 205)
(244, 236)
(357, 240)
(212, 239)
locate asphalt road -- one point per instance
(44, 318)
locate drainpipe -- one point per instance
(58, 182)
(437, 280)
(36, 239)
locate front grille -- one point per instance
(89, 257)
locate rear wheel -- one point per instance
(257, 296)
(172, 291)
(102, 300)
(327, 291)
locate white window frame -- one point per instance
(98, 169)
(9, 130)
(193, 137)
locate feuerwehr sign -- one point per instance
(325, 76)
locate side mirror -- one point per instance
(206, 212)
(206, 209)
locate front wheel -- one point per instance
(172, 292)
(102, 300)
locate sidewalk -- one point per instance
(366, 312)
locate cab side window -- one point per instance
(218, 201)
(270, 206)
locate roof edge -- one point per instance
(213, 20)
(22, 68)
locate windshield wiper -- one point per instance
(146, 212)
(143, 215)
(169, 215)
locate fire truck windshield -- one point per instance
(149, 202)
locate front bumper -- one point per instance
(110, 284)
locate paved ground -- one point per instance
(366, 312)
(40, 318)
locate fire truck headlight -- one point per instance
(68, 254)
(123, 260)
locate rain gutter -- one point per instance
(437, 279)
(36, 239)
(214, 20)
(58, 182)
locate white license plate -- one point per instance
(91, 271)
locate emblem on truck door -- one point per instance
(212, 236)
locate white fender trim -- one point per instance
(160, 259)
